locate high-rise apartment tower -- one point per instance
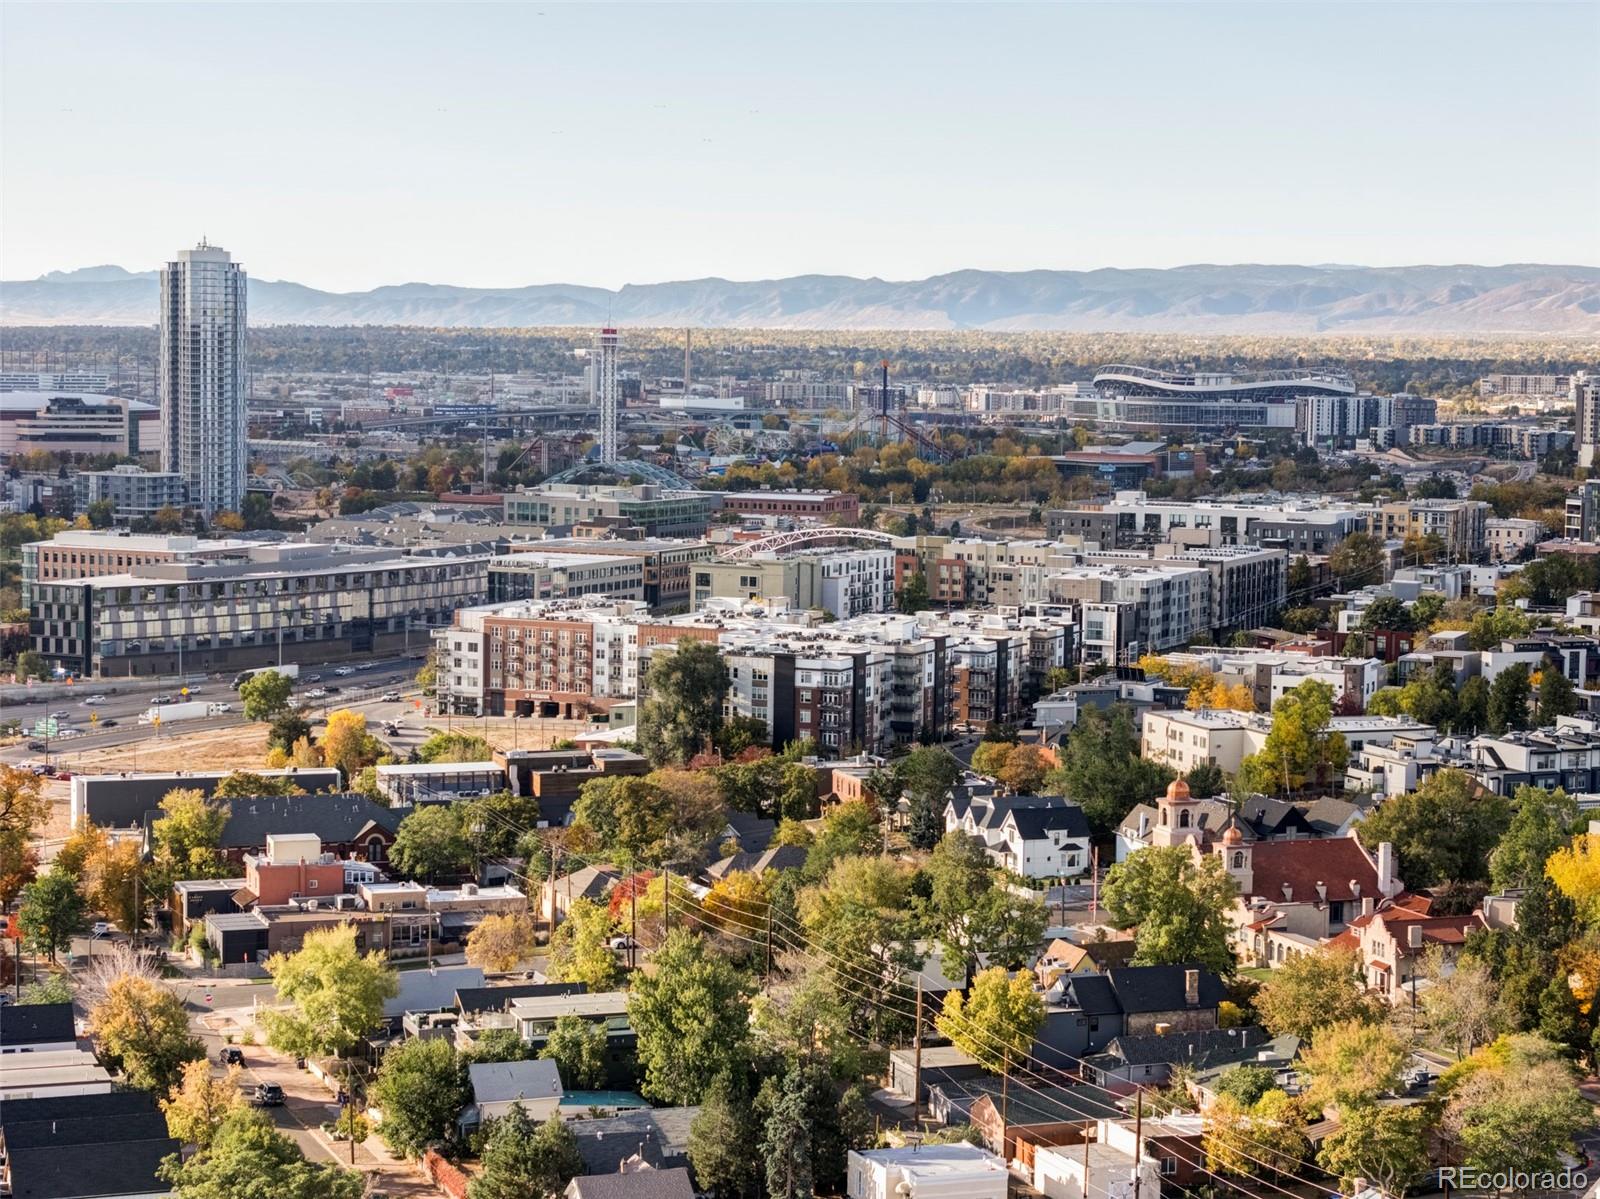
(203, 376)
(604, 364)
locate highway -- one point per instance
(88, 706)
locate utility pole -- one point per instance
(767, 980)
(916, 1061)
(1005, 1093)
(1138, 1138)
(666, 902)
(633, 924)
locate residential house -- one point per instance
(1086, 1012)
(1063, 957)
(42, 1074)
(1294, 895)
(956, 1171)
(643, 1183)
(496, 1086)
(292, 866)
(1038, 836)
(348, 825)
(193, 899)
(1395, 943)
(776, 857)
(1147, 1060)
(99, 1146)
(655, 1137)
(37, 1028)
(1096, 1170)
(588, 882)
(430, 990)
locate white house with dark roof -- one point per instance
(497, 1086)
(1038, 836)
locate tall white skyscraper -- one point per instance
(606, 392)
(203, 376)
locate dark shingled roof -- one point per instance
(81, 1172)
(646, 1184)
(1035, 823)
(85, 1130)
(334, 818)
(1198, 1048)
(1160, 988)
(497, 999)
(1093, 994)
(68, 1107)
(29, 1023)
(660, 1135)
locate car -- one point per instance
(332, 689)
(311, 678)
(37, 747)
(94, 699)
(63, 775)
(100, 928)
(230, 1055)
(267, 1094)
(110, 724)
(161, 699)
(316, 693)
(60, 715)
(343, 671)
(390, 697)
(222, 707)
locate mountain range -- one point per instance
(1521, 299)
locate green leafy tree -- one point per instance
(1386, 701)
(1301, 578)
(287, 728)
(497, 1045)
(720, 1137)
(1508, 699)
(1352, 1063)
(580, 950)
(1442, 831)
(996, 1021)
(740, 733)
(1387, 1146)
(1431, 697)
(430, 843)
(52, 911)
(522, 1159)
(31, 665)
(691, 1017)
(974, 917)
(1178, 906)
(1516, 1108)
(249, 1159)
(1542, 822)
(143, 1027)
(809, 1132)
(243, 784)
(334, 994)
(1102, 769)
(1472, 706)
(265, 695)
(1246, 1084)
(1310, 990)
(198, 1105)
(1557, 696)
(1300, 747)
(455, 747)
(1357, 561)
(1386, 612)
(1265, 1139)
(849, 830)
(578, 1047)
(924, 776)
(421, 1088)
(1205, 780)
(681, 701)
(1491, 626)
(913, 596)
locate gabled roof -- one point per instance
(1161, 988)
(68, 1107)
(337, 819)
(644, 1184)
(753, 833)
(33, 1023)
(85, 1130)
(502, 1082)
(588, 882)
(1198, 1048)
(1034, 824)
(659, 1135)
(777, 857)
(431, 990)
(1091, 994)
(1301, 865)
(82, 1172)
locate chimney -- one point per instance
(1288, 893)
(1413, 936)
(1322, 891)
(1367, 905)
(1355, 888)
(1191, 988)
(1388, 882)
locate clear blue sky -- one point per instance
(350, 146)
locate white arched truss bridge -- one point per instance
(798, 537)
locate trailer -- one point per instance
(291, 671)
(194, 709)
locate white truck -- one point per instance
(194, 709)
(291, 671)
